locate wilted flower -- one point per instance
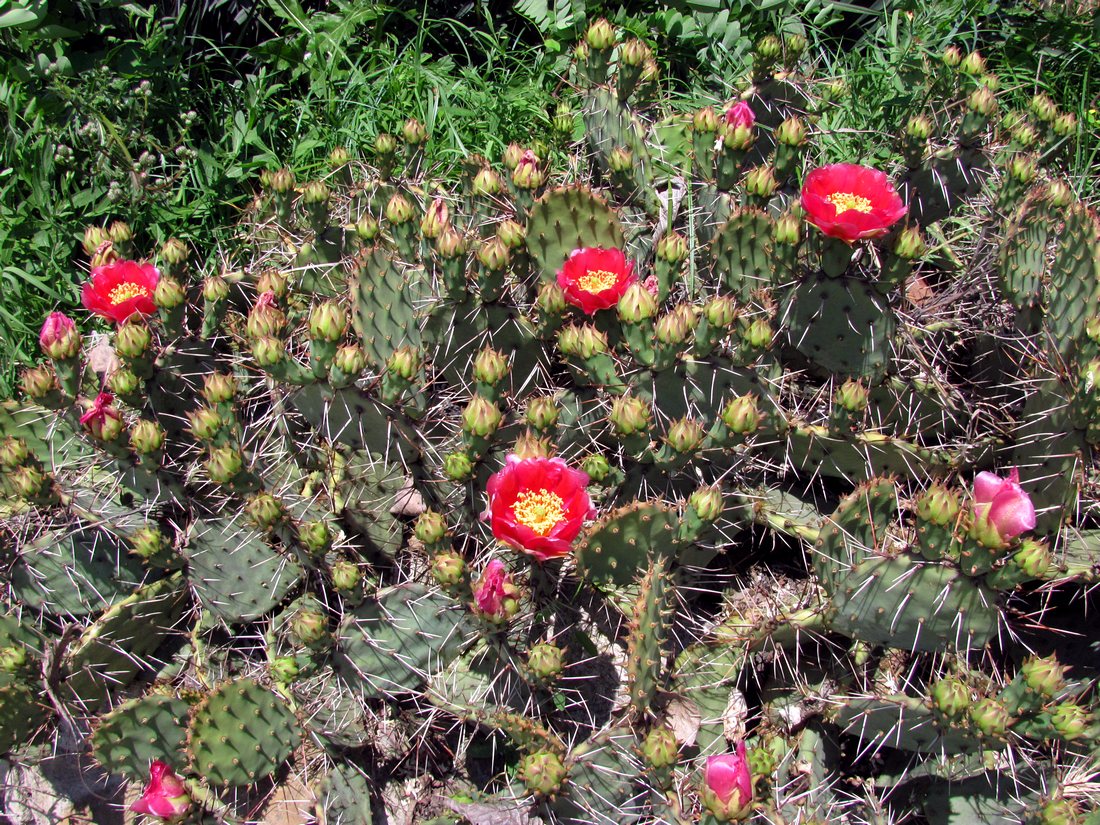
(594, 278)
(102, 420)
(538, 505)
(121, 289)
(495, 596)
(165, 796)
(1004, 504)
(851, 202)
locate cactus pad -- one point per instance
(137, 732)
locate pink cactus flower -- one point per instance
(165, 796)
(1004, 504)
(495, 596)
(59, 337)
(740, 115)
(727, 788)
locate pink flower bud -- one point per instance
(495, 596)
(1004, 504)
(165, 796)
(59, 337)
(727, 790)
(740, 115)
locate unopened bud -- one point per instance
(1060, 194)
(327, 322)
(215, 289)
(769, 48)
(37, 382)
(219, 388)
(28, 482)
(528, 173)
(147, 437)
(636, 305)
(756, 334)
(542, 413)
(952, 56)
(635, 52)
(685, 436)
(512, 234)
(919, 127)
(309, 626)
(481, 417)
(788, 230)
(404, 363)
(938, 505)
(1023, 168)
(13, 452)
(283, 669)
(991, 717)
(740, 415)
(345, 575)
(457, 466)
(205, 423)
(760, 181)
(94, 237)
(1033, 558)
(672, 248)
(273, 281)
(315, 192)
(973, 64)
(707, 503)
(950, 697)
(147, 543)
(851, 396)
(59, 338)
(283, 181)
(123, 382)
(1065, 124)
(487, 183)
(1044, 675)
(796, 45)
(620, 160)
(132, 340)
(268, 351)
(660, 748)
(674, 327)
(545, 661)
(600, 35)
(490, 366)
(791, 132)
(1070, 720)
(705, 120)
(414, 132)
(436, 219)
(493, 254)
(264, 510)
(224, 464)
(367, 228)
(596, 466)
(982, 101)
(543, 773)
(350, 360)
(910, 245)
(448, 569)
(629, 415)
(398, 210)
(316, 536)
(169, 293)
(430, 528)
(450, 244)
(174, 252)
(385, 145)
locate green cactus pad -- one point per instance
(331, 709)
(905, 723)
(75, 574)
(1074, 294)
(566, 219)
(860, 456)
(241, 733)
(741, 253)
(386, 294)
(115, 648)
(397, 641)
(615, 548)
(369, 492)
(49, 437)
(913, 606)
(137, 732)
(842, 325)
(235, 573)
(22, 711)
(609, 126)
(1022, 262)
(351, 417)
(856, 531)
(648, 627)
(344, 796)
(601, 787)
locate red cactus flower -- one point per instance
(165, 796)
(538, 505)
(495, 596)
(727, 785)
(851, 202)
(740, 115)
(594, 278)
(121, 289)
(1004, 504)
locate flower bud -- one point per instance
(345, 575)
(282, 181)
(338, 157)
(1046, 675)
(973, 64)
(404, 363)
(436, 219)
(174, 252)
(104, 255)
(147, 437)
(457, 466)
(511, 156)
(490, 366)
(481, 417)
(273, 281)
(169, 293)
(660, 748)
(451, 244)
(788, 230)
(123, 382)
(672, 248)
(950, 697)
(1059, 811)
(102, 420)
(982, 101)
(132, 340)
(1059, 193)
(315, 192)
(1025, 135)
(769, 48)
(551, 299)
(720, 311)
(834, 89)
(851, 396)
(398, 210)
(512, 234)
(1065, 124)
(28, 482)
(1033, 558)
(740, 415)
(756, 334)
(685, 436)
(727, 785)
(600, 35)
(12, 659)
(265, 319)
(165, 796)
(13, 452)
(952, 57)
(268, 351)
(1023, 168)
(205, 423)
(564, 120)
(487, 183)
(327, 322)
(224, 464)
(707, 503)
(991, 717)
(385, 145)
(309, 626)
(938, 505)
(542, 413)
(635, 52)
(264, 510)
(430, 528)
(596, 466)
(910, 245)
(543, 773)
(528, 174)
(919, 127)
(791, 132)
(760, 181)
(1070, 720)
(493, 254)
(283, 669)
(316, 536)
(705, 120)
(796, 45)
(674, 327)
(37, 382)
(215, 289)
(59, 337)
(219, 388)
(545, 661)
(94, 237)
(629, 415)
(620, 160)
(148, 543)
(414, 132)
(448, 569)
(367, 228)
(636, 305)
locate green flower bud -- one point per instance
(1033, 558)
(674, 327)
(796, 45)
(788, 230)
(919, 127)
(123, 382)
(490, 366)
(938, 505)
(487, 183)
(457, 466)
(952, 57)
(542, 772)
(1025, 135)
(685, 435)
(338, 157)
(12, 659)
(1070, 720)
(345, 575)
(1023, 168)
(28, 482)
(448, 569)
(629, 415)
(316, 536)
(385, 145)
(481, 417)
(705, 120)
(1044, 675)
(367, 228)
(451, 244)
(910, 245)
(215, 289)
(168, 293)
(620, 160)
(721, 311)
(564, 120)
(37, 382)
(13, 452)
(309, 626)
(760, 181)
(513, 235)
(268, 351)
(398, 210)
(529, 445)
(950, 697)
(404, 363)
(273, 281)
(205, 423)
(414, 132)
(264, 510)
(327, 322)
(634, 53)
(430, 528)
(600, 35)
(851, 396)
(436, 219)
(973, 64)
(991, 717)
(660, 748)
(1065, 124)
(1059, 811)
(636, 305)
(551, 299)
(791, 132)
(219, 388)
(224, 464)
(147, 437)
(315, 192)
(94, 238)
(511, 157)
(147, 543)
(834, 90)
(529, 173)
(596, 467)
(990, 81)
(1059, 193)
(133, 339)
(493, 254)
(982, 101)
(283, 669)
(769, 48)
(542, 413)
(672, 248)
(545, 661)
(282, 181)
(756, 334)
(174, 252)
(707, 503)
(350, 360)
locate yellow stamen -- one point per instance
(597, 280)
(846, 201)
(124, 292)
(540, 510)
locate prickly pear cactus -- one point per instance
(665, 476)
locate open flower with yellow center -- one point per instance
(538, 505)
(121, 289)
(594, 278)
(851, 202)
